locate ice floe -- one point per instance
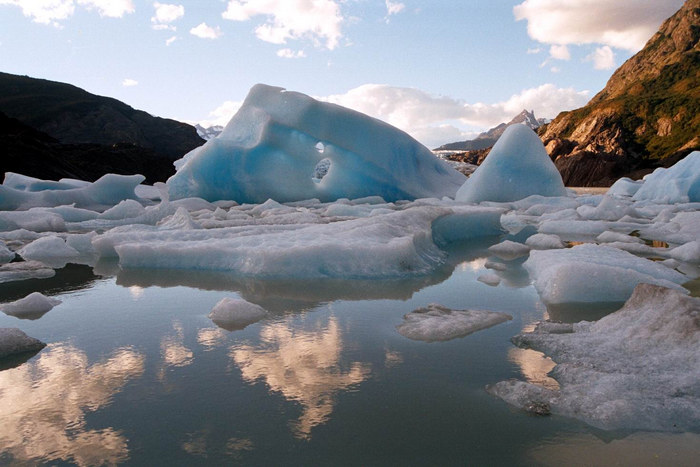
(235, 313)
(637, 368)
(13, 341)
(438, 323)
(32, 306)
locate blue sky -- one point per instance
(440, 70)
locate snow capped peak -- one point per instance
(210, 132)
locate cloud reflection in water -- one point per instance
(43, 405)
(304, 366)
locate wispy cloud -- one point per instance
(206, 32)
(393, 8)
(170, 40)
(289, 53)
(320, 20)
(603, 58)
(128, 82)
(54, 11)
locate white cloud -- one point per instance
(222, 114)
(44, 11)
(53, 11)
(206, 32)
(393, 8)
(534, 50)
(128, 82)
(603, 58)
(164, 27)
(555, 69)
(167, 13)
(624, 24)
(109, 8)
(559, 52)
(435, 120)
(289, 53)
(170, 40)
(319, 20)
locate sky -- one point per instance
(441, 70)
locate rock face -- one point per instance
(91, 135)
(647, 116)
(488, 138)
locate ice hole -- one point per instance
(321, 168)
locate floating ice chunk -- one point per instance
(625, 187)
(126, 209)
(32, 306)
(36, 221)
(490, 279)
(234, 313)
(544, 242)
(677, 184)
(518, 166)
(509, 250)
(637, 368)
(594, 273)
(609, 208)
(269, 150)
(25, 270)
(5, 254)
(495, 266)
(438, 323)
(13, 341)
(50, 250)
(689, 252)
(466, 223)
(393, 245)
(109, 190)
(181, 220)
(610, 237)
(26, 183)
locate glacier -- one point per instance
(288, 146)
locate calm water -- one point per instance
(136, 373)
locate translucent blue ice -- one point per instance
(289, 147)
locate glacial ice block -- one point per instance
(13, 341)
(679, 183)
(234, 314)
(637, 368)
(289, 147)
(517, 167)
(32, 306)
(595, 273)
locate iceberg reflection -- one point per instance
(43, 405)
(304, 366)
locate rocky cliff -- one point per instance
(648, 114)
(95, 134)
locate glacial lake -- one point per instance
(135, 373)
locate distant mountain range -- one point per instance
(648, 114)
(488, 138)
(54, 130)
(209, 132)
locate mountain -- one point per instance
(647, 116)
(31, 152)
(101, 134)
(209, 132)
(489, 138)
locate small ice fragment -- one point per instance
(496, 266)
(438, 323)
(489, 279)
(610, 237)
(14, 341)
(509, 250)
(542, 241)
(25, 270)
(234, 313)
(50, 250)
(32, 306)
(5, 254)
